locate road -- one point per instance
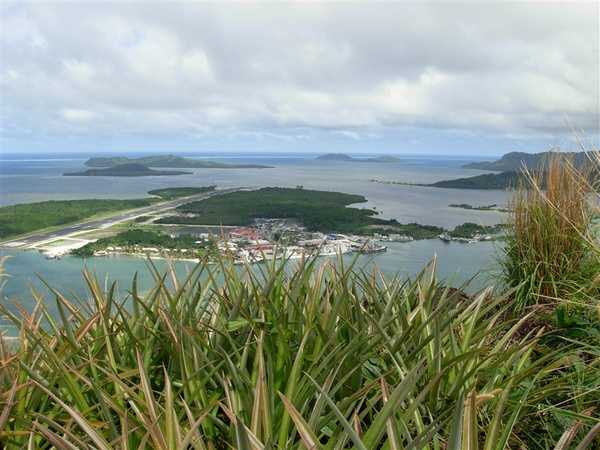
(108, 221)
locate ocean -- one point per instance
(32, 177)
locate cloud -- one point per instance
(77, 115)
(358, 71)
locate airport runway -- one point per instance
(105, 222)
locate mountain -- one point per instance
(344, 157)
(514, 161)
(125, 170)
(171, 161)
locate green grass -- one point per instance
(29, 217)
(321, 357)
(551, 251)
(176, 192)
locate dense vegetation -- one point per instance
(125, 170)
(552, 250)
(166, 161)
(317, 210)
(414, 230)
(136, 237)
(317, 358)
(28, 217)
(176, 192)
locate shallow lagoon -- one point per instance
(456, 263)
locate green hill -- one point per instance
(515, 161)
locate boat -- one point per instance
(445, 237)
(373, 248)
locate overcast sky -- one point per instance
(444, 77)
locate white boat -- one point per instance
(445, 237)
(373, 248)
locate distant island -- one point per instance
(488, 181)
(345, 157)
(125, 170)
(170, 161)
(514, 161)
(335, 157)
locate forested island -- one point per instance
(125, 170)
(501, 181)
(345, 157)
(168, 161)
(491, 181)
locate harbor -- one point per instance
(266, 239)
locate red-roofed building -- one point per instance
(244, 233)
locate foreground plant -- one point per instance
(551, 252)
(321, 356)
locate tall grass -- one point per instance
(551, 252)
(322, 357)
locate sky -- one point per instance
(437, 78)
